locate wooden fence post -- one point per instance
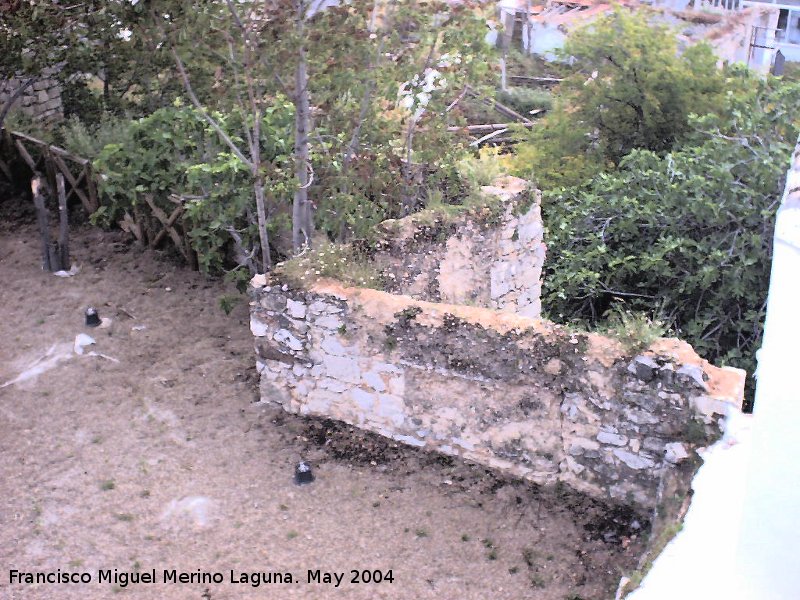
(41, 219)
(63, 224)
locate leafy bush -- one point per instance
(81, 102)
(524, 100)
(633, 90)
(173, 154)
(688, 234)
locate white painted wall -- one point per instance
(767, 563)
(740, 537)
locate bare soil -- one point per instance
(164, 460)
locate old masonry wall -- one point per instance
(41, 101)
(518, 394)
(490, 256)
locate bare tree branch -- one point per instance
(190, 92)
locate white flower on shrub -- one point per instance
(415, 95)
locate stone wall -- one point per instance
(490, 257)
(40, 101)
(521, 395)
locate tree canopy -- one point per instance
(631, 90)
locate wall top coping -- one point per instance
(723, 384)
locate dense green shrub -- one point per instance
(173, 155)
(685, 237)
(631, 90)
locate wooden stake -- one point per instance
(41, 219)
(63, 224)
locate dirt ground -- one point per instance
(163, 460)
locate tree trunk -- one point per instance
(301, 209)
(266, 257)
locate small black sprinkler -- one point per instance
(303, 474)
(92, 318)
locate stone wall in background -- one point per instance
(492, 257)
(41, 101)
(520, 395)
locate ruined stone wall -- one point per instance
(491, 257)
(521, 395)
(40, 101)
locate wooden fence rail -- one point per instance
(50, 160)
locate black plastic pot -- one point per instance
(303, 473)
(92, 318)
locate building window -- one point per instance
(794, 27)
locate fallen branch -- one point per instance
(498, 106)
(487, 128)
(536, 81)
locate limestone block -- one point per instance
(375, 381)
(606, 437)
(693, 374)
(500, 277)
(397, 385)
(392, 408)
(299, 327)
(318, 401)
(532, 310)
(675, 452)
(258, 327)
(273, 302)
(530, 229)
(575, 467)
(273, 392)
(634, 461)
(640, 417)
(331, 345)
(411, 441)
(295, 309)
(643, 367)
(708, 407)
(328, 322)
(334, 385)
(344, 368)
(42, 96)
(363, 399)
(382, 367)
(579, 446)
(285, 337)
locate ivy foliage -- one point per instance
(685, 236)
